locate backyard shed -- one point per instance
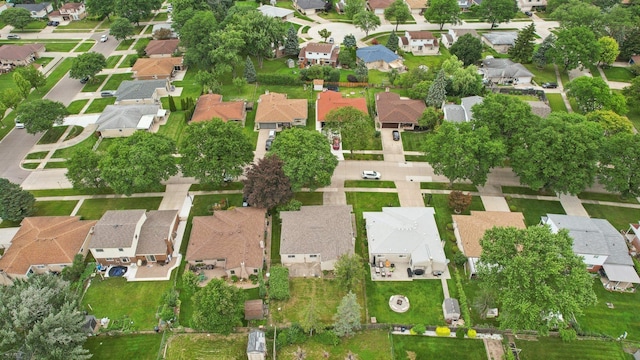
(257, 346)
(451, 310)
(253, 310)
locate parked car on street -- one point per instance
(104, 38)
(528, 13)
(84, 80)
(370, 174)
(19, 123)
(13, 37)
(549, 85)
(396, 135)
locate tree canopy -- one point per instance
(522, 50)
(121, 29)
(497, 11)
(352, 7)
(87, 64)
(213, 150)
(266, 185)
(593, 93)
(609, 50)
(577, 13)
(34, 76)
(611, 122)
(137, 10)
(398, 11)
(514, 259)
(308, 161)
(442, 12)
(574, 47)
(619, 167)
(82, 169)
(40, 115)
(347, 317)
(355, 127)
(17, 17)
(349, 271)
(366, 21)
(15, 203)
(467, 48)
(218, 307)
(503, 115)
(101, 8)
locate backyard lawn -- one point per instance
(139, 347)
(425, 297)
(413, 140)
(533, 210)
(98, 105)
(129, 305)
(93, 209)
(552, 348)
(425, 347)
(175, 127)
(55, 208)
(207, 346)
(366, 345)
(619, 217)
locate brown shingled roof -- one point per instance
(472, 227)
(276, 107)
(45, 240)
(160, 67)
(392, 109)
(71, 6)
(210, 106)
(331, 100)
(155, 231)
(162, 47)
(19, 52)
(319, 48)
(416, 4)
(379, 4)
(234, 235)
(415, 35)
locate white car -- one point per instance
(370, 174)
(104, 38)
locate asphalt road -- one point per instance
(13, 149)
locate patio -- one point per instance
(152, 271)
(400, 273)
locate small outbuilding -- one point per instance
(254, 310)
(257, 346)
(451, 310)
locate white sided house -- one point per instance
(419, 43)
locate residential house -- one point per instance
(19, 55)
(417, 7)
(157, 68)
(257, 345)
(633, 237)
(69, 12)
(378, 57)
(419, 43)
(316, 235)
(451, 310)
(530, 5)
(319, 54)
(454, 34)
(124, 120)
(378, 6)
(540, 108)
(38, 11)
(635, 59)
(162, 48)
(394, 112)
(332, 100)
(4, 6)
(233, 240)
(276, 12)
(254, 310)
(309, 6)
(500, 41)
(276, 111)
(407, 237)
(505, 72)
(464, 5)
(125, 237)
(44, 244)
(210, 106)
(461, 113)
(167, 26)
(136, 92)
(602, 247)
(469, 229)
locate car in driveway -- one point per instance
(53, 23)
(268, 144)
(549, 85)
(104, 38)
(528, 13)
(396, 135)
(84, 80)
(370, 174)
(108, 93)
(13, 37)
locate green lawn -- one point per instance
(434, 348)
(85, 46)
(70, 192)
(52, 135)
(124, 44)
(366, 345)
(413, 140)
(128, 61)
(76, 106)
(276, 231)
(112, 61)
(139, 347)
(75, 131)
(371, 157)
(207, 346)
(115, 80)
(369, 184)
(175, 127)
(606, 197)
(556, 102)
(533, 210)
(55, 208)
(56, 165)
(425, 297)
(541, 76)
(615, 73)
(98, 105)
(129, 305)
(210, 187)
(93, 209)
(619, 217)
(445, 186)
(552, 348)
(36, 155)
(61, 46)
(80, 24)
(94, 84)
(525, 191)
(309, 198)
(65, 153)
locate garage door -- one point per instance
(268, 126)
(390, 125)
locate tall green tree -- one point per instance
(611, 122)
(325, 34)
(619, 22)
(522, 50)
(39, 319)
(195, 36)
(121, 28)
(213, 150)
(392, 42)
(398, 11)
(575, 47)
(10, 98)
(260, 33)
(559, 153)
(460, 152)
(82, 169)
(354, 126)
(349, 271)
(250, 71)
(266, 186)
(308, 161)
(442, 12)
(87, 64)
(468, 49)
(34, 76)
(101, 8)
(438, 90)
(430, 118)
(504, 115)
(218, 307)
(40, 115)
(311, 318)
(497, 11)
(347, 318)
(578, 13)
(632, 92)
(544, 54)
(137, 10)
(349, 41)
(361, 71)
(609, 51)
(594, 94)
(138, 163)
(366, 21)
(291, 45)
(467, 82)
(19, 18)
(15, 203)
(514, 259)
(22, 84)
(227, 47)
(352, 7)
(619, 166)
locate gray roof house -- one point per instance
(600, 245)
(141, 92)
(276, 12)
(38, 11)
(309, 6)
(462, 112)
(407, 237)
(379, 57)
(157, 27)
(124, 120)
(316, 235)
(505, 72)
(257, 345)
(500, 41)
(451, 310)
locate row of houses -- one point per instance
(66, 12)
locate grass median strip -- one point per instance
(369, 184)
(446, 186)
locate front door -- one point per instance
(151, 258)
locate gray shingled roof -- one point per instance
(116, 229)
(124, 116)
(138, 89)
(468, 103)
(454, 113)
(154, 232)
(311, 4)
(34, 7)
(324, 230)
(257, 342)
(501, 37)
(505, 68)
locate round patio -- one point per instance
(399, 303)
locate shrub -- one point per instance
(352, 78)
(190, 281)
(472, 334)
(568, 335)
(375, 42)
(234, 278)
(253, 278)
(451, 237)
(293, 205)
(508, 197)
(459, 258)
(279, 283)
(328, 338)
(418, 329)
(459, 201)
(450, 226)
(455, 249)
(443, 331)
(278, 79)
(460, 333)
(513, 208)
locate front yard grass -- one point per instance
(129, 305)
(236, 185)
(93, 209)
(75, 131)
(369, 184)
(55, 208)
(445, 186)
(556, 102)
(541, 76)
(553, 348)
(76, 106)
(85, 46)
(413, 140)
(84, 24)
(124, 44)
(208, 346)
(115, 80)
(98, 105)
(36, 155)
(533, 210)
(52, 135)
(619, 217)
(366, 345)
(525, 191)
(616, 73)
(308, 198)
(606, 197)
(70, 192)
(94, 84)
(128, 61)
(425, 296)
(138, 346)
(112, 61)
(65, 153)
(432, 347)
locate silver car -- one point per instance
(370, 174)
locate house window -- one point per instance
(402, 256)
(255, 271)
(325, 54)
(109, 259)
(596, 256)
(99, 250)
(125, 259)
(233, 272)
(313, 256)
(220, 259)
(291, 256)
(120, 249)
(199, 261)
(39, 266)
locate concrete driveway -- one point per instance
(260, 147)
(392, 149)
(13, 149)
